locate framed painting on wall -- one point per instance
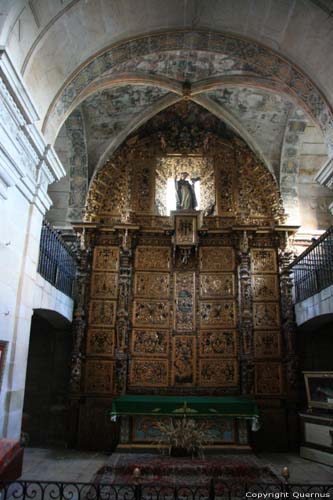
(319, 389)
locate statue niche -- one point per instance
(185, 193)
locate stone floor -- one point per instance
(71, 465)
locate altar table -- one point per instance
(226, 418)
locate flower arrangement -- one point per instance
(183, 436)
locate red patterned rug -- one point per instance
(164, 470)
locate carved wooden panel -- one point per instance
(142, 191)
(265, 287)
(219, 314)
(268, 378)
(267, 344)
(266, 315)
(216, 285)
(217, 259)
(150, 342)
(100, 342)
(222, 343)
(257, 192)
(106, 258)
(99, 376)
(184, 313)
(183, 360)
(218, 372)
(151, 313)
(225, 183)
(102, 313)
(149, 372)
(152, 258)
(104, 285)
(186, 229)
(263, 260)
(152, 285)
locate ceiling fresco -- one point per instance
(262, 114)
(231, 52)
(188, 65)
(109, 112)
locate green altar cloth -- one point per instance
(229, 406)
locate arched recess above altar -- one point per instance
(236, 188)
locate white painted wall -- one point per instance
(320, 304)
(27, 166)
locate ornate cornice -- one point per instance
(26, 161)
(325, 175)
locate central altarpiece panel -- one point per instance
(194, 302)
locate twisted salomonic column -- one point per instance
(286, 256)
(246, 322)
(80, 315)
(123, 320)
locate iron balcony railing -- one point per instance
(215, 490)
(57, 264)
(313, 269)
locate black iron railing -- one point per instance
(313, 269)
(57, 264)
(55, 490)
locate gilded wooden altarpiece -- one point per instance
(208, 323)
